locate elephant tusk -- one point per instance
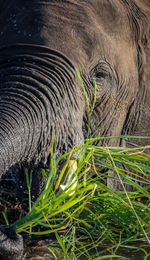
(71, 178)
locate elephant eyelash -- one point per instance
(101, 75)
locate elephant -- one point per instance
(42, 43)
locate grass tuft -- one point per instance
(95, 221)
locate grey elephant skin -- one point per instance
(41, 44)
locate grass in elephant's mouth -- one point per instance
(94, 215)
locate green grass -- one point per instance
(95, 222)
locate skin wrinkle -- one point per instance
(49, 74)
(59, 73)
(24, 97)
(26, 113)
(118, 112)
(14, 116)
(20, 131)
(8, 143)
(29, 81)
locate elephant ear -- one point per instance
(138, 118)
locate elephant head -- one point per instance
(41, 44)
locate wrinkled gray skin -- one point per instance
(41, 44)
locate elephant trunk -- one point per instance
(19, 128)
(37, 98)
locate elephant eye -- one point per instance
(100, 77)
(101, 73)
